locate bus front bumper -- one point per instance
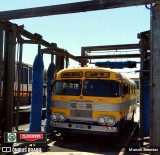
(84, 129)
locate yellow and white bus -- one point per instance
(92, 101)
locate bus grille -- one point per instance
(81, 111)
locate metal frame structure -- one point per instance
(85, 50)
(51, 48)
(91, 5)
(10, 35)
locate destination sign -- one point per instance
(97, 74)
(72, 75)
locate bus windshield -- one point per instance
(102, 88)
(67, 87)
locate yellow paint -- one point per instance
(96, 100)
(97, 114)
(87, 98)
(60, 110)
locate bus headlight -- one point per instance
(53, 117)
(111, 121)
(101, 120)
(62, 117)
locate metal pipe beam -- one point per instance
(53, 46)
(108, 56)
(71, 8)
(111, 47)
(90, 49)
(36, 38)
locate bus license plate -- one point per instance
(80, 126)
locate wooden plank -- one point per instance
(71, 8)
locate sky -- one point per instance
(73, 31)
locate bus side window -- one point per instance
(24, 75)
(125, 88)
(30, 75)
(57, 88)
(131, 89)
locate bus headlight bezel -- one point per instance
(54, 117)
(101, 120)
(110, 121)
(61, 117)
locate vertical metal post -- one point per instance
(155, 77)
(67, 61)
(8, 80)
(83, 54)
(52, 58)
(19, 66)
(1, 61)
(144, 86)
(141, 92)
(27, 79)
(59, 62)
(39, 49)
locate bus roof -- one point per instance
(84, 69)
(87, 69)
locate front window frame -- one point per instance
(102, 95)
(66, 89)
